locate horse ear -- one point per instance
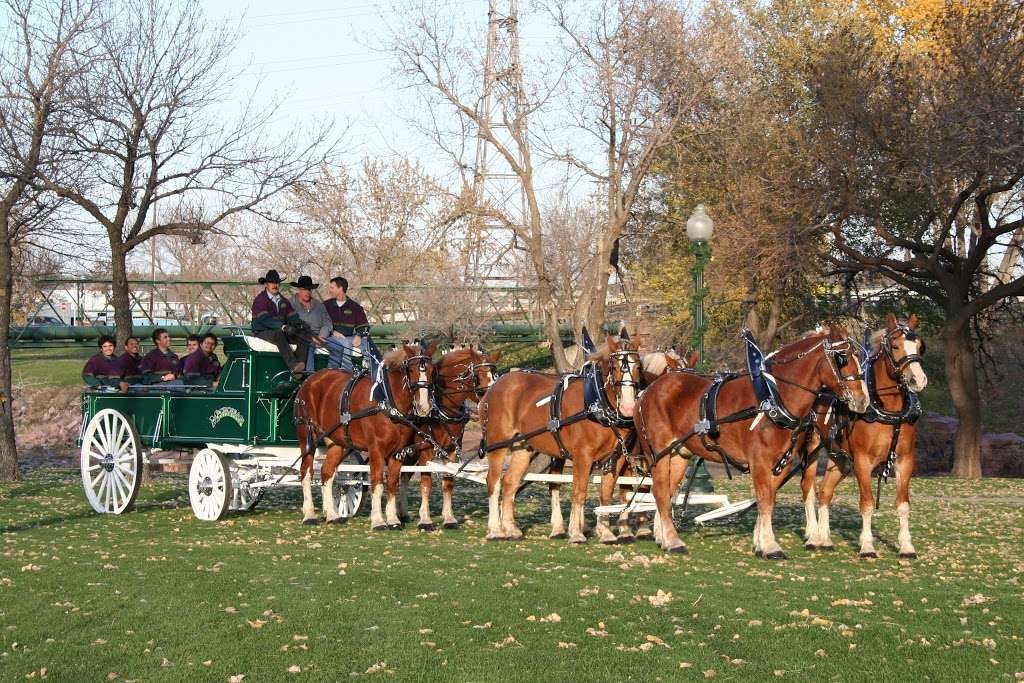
(890, 321)
(495, 356)
(913, 321)
(691, 359)
(836, 332)
(429, 351)
(612, 344)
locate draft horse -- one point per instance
(352, 412)
(652, 365)
(722, 419)
(882, 438)
(460, 375)
(581, 417)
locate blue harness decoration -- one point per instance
(766, 389)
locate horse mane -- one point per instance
(655, 362)
(800, 344)
(454, 355)
(876, 338)
(602, 353)
(394, 357)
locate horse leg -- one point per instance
(517, 467)
(426, 484)
(765, 486)
(306, 476)
(377, 522)
(810, 505)
(403, 497)
(555, 494)
(904, 470)
(862, 469)
(665, 528)
(495, 459)
(580, 480)
(625, 495)
(643, 519)
(328, 471)
(394, 471)
(447, 489)
(826, 492)
(604, 532)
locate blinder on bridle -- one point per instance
(623, 358)
(838, 355)
(423, 382)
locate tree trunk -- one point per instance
(961, 374)
(8, 446)
(119, 293)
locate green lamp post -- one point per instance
(699, 228)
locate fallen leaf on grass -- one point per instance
(508, 641)
(975, 599)
(256, 624)
(237, 678)
(566, 646)
(851, 603)
(660, 599)
(294, 669)
(552, 618)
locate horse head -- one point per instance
(903, 349)
(417, 368)
(844, 375)
(619, 362)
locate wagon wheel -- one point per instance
(111, 462)
(209, 485)
(349, 488)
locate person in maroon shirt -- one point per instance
(191, 346)
(349, 323)
(274, 320)
(129, 363)
(103, 369)
(201, 367)
(160, 366)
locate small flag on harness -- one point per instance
(588, 343)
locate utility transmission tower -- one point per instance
(491, 246)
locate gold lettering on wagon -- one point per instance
(226, 412)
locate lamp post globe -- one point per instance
(699, 226)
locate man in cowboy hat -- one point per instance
(312, 312)
(274, 320)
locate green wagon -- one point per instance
(242, 434)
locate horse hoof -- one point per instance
(451, 525)
(758, 553)
(777, 555)
(379, 527)
(810, 546)
(395, 527)
(337, 520)
(907, 556)
(679, 550)
(425, 527)
(626, 539)
(609, 541)
(312, 521)
(576, 540)
(644, 536)
(559, 535)
(869, 556)
(491, 537)
(827, 548)
(404, 519)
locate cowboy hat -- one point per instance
(271, 276)
(305, 282)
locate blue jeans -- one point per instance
(340, 349)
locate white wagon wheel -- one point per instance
(209, 485)
(111, 462)
(349, 488)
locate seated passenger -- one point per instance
(201, 367)
(160, 366)
(348, 322)
(129, 362)
(274, 320)
(191, 345)
(103, 369)
(312, 312)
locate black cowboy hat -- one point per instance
(305, 282)
(271, 276)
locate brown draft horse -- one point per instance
(459, 375)
(894, 365)
(669, 415)
(517, 404)
(408, 372)
(652, 366)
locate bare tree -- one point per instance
(43, 52)
(157, 135)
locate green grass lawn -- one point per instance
(157, 595)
